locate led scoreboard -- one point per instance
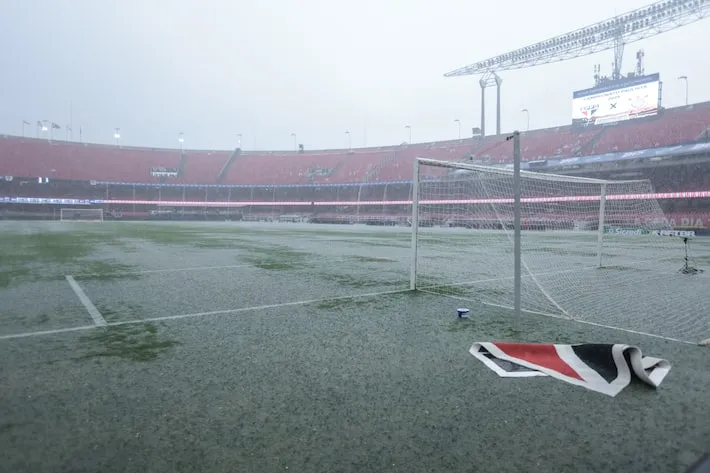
(619, 100)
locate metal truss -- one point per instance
(613, 33)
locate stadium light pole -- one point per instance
(350, 143)
(409, 127)
(685, 78)
(457, 121)
(295, 146)
(181, 139)
(117, 134)
(527, 112)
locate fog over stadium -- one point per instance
(215, 69)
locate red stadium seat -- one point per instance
(28, 157)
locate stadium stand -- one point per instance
(203, 167)
(29, 157)
(673, 126)
(539, 144)
(121, 177)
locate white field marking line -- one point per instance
(560, 317)
(202, 314)
(167, 270)
(595, 324)
(90, 307)
(47, 332)
(260, 307)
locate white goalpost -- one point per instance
(592, 250)
(81, 215)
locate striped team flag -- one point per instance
(604, 368)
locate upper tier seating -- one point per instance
(28, 157)
(202, 167)
(673, 126)
(62, 160)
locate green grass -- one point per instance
(7, 426)
(277, 258)
(391, 244)
(449, 290)
(349, 232)
(106, 271)
(349, 303)
(122, 245)
(176, 235)
(49, 256)
(371, 259)
(131, 342)
(16, 317)
(618, 268)
(359, 282)
(566, 251)
(13, 274)
(485, 328)
(487, 324)
(45, 247)
(121, 311)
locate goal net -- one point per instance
(81, 215)
(591, 250)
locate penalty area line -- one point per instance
(47, 332)
(96, 316)
(259, 307)
(197, 314)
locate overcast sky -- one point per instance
(216, 68)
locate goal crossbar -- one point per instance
(594, 250)
(523, 174)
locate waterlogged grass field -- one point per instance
(284, 347)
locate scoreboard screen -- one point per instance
(625, 99)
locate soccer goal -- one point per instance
(81, 215)
(592, 250)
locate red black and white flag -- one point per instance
(604, 368)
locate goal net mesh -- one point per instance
(81, 215)
(465, 249)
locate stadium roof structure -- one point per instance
(613, 33)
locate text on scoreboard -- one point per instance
(616, 101)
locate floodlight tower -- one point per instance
(490, 78)
(614, 33)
